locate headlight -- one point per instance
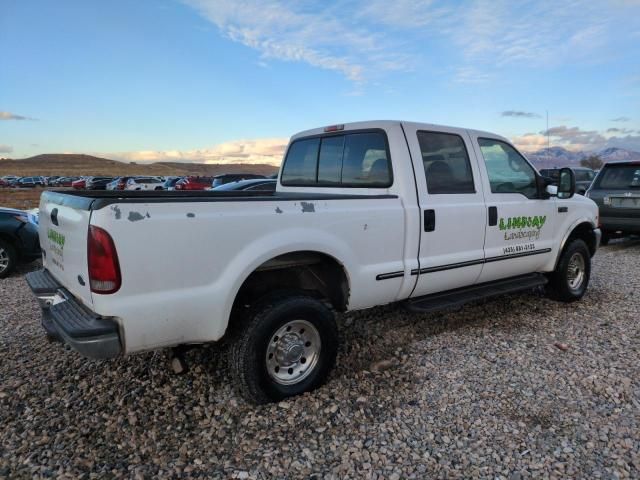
(606, 200)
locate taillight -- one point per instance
(104, 268)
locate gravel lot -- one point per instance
(520, 387)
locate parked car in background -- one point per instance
(170, 183)
(193, 182)
(65, 181)
(30, 182)
(118, 183)
(232, 177)
(254, 184)
(80, 183)
(50, 181)
(18, 239)
(143, 183)
(616, 191)
(97, 183)
(584, 177)
(7, 180)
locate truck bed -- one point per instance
(97, 199)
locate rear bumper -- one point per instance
(624, 224)
(67, 320)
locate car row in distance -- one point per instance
(140, 182)
(18, 239)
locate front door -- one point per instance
(453, 213)
(519, 236)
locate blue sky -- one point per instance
(230, 81)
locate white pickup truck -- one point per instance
(364, 214)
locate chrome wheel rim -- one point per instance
(4, 259)
(576, 271)
(293, 352)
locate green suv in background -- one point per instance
(616, 191)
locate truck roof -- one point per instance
(392, 123)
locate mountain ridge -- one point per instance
(82, 164)
(561, 157)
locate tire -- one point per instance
(604, 240)
(8, 258)
(570, 279)
(286, 345)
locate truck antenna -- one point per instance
(548, 143)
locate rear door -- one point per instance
(453, 214)
(63, 239)
(520, 228)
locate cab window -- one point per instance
(446, 163)
(508, 171)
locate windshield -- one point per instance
(619, 177)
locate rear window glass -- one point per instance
(619, 177)
(583, 175)
(358, 159)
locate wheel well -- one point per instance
(584, 231)
(316, 273)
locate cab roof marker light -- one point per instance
(333, 128)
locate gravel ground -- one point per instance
(520, 387)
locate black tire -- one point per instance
(250, 361)
(562, 282)
(7, 254)
(604, 241)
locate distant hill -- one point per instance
(561, 157)
(77, 164)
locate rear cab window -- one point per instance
(619, 177)
(349, 159)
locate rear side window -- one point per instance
(620, 177)
(359, 159)
(446, 163)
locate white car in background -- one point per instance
(144, 183)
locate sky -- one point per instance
(223, 81)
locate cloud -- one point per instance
(471, 75)
(621, 119)
(515, 113)
(619, 130)
(575, 136)
(6, 149)
(530, 142)
(262, 150)
(576, 139)
(13, 116)
(323, 37)
(366, 38)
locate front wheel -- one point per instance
(286, 346)
(570, 279)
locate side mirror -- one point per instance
(566, 183)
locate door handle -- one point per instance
(493, 216)
(429, 220)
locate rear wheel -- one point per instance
(8, 258)
(570, 280)
(286, 346)
(604, 241)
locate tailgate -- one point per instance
(64, 227)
